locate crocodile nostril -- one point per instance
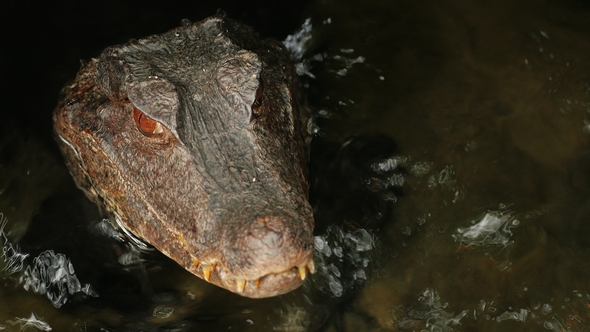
(267, 231)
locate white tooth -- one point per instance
(241, 284)
(311, 267)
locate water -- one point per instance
(488, 104)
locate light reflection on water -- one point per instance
(488, 103)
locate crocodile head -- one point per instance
(194, 141)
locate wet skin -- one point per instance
(194, 141)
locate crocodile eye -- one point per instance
(149, 127)
(257, 104)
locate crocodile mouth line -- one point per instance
(300, 270)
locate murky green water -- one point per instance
(489, 105)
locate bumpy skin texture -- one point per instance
(222, 190)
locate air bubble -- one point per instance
(334, 270)
(162, 312)
(335, 287)
(359, 274)
(337, 251)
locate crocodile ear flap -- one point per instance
(157, 99)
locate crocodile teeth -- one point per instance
(302, 272)
(241, 284)
(207, 271)
(311, 266)
(303, 269)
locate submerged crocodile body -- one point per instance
(195, 142)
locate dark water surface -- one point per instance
(487, 101)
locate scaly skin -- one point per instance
(194, 141)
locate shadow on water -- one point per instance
(488, 104)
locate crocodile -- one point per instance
(196, 141)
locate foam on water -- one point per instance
(493, 229)
(51, 274)
(11, 255)
(431, 313)
(341, 257)
(24, 324)
(297, 43)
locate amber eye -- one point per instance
(149, 127)
(257, 104)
